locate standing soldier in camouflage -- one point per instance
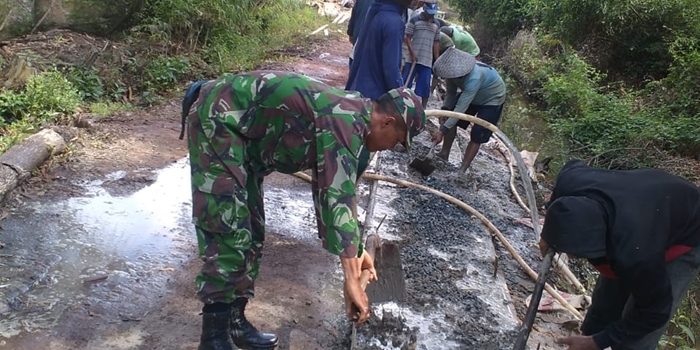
(245, 126)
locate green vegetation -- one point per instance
(232, 35)
(45, 98)
(616, 79)
(169, 42)
(684, 328)
(88, 83)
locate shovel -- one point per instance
(425, 165)
(390, 284)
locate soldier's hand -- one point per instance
(356, 300)
(367, 264)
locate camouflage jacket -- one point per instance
(289, 123)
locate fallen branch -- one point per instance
(41, 20)
(318, 29)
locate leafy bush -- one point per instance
(48, 94)
(570, 86)
(12, 106)
(629, 37)
(505, 16)
(88, 83)
(680, 90)
(163, 73)
(45, 96)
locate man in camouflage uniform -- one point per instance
(245, 126)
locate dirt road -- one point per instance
(99, 252)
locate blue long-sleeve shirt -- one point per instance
(357, 18)
(376, 64)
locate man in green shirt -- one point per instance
(462, 39)
(241, 128)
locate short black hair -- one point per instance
(385, 104)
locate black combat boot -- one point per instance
(216, 319)
(244, 334)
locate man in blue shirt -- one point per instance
(357, 22)
(473, 88)
(357, 19)
(376, 63)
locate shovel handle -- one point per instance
(410, 73)
(526, 327)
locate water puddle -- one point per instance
(102, 250)
(96, 249)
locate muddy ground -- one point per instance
(99, 252)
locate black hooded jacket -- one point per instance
(651, 217)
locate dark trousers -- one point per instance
(611, 302)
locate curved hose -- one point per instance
(492, 228)
(529, 192)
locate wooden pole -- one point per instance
(526, 327)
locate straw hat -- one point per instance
(454, 63)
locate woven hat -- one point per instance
(453, 63)
(410, 107)
(445, 42)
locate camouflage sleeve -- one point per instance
(334, 190)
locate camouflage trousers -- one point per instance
(229, 217)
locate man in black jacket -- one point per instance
(641, 230)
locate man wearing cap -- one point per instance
(244, 126)
(641, 230)
(462, 39)
(423, 44)
(473, 88)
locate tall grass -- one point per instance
(232, 35)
